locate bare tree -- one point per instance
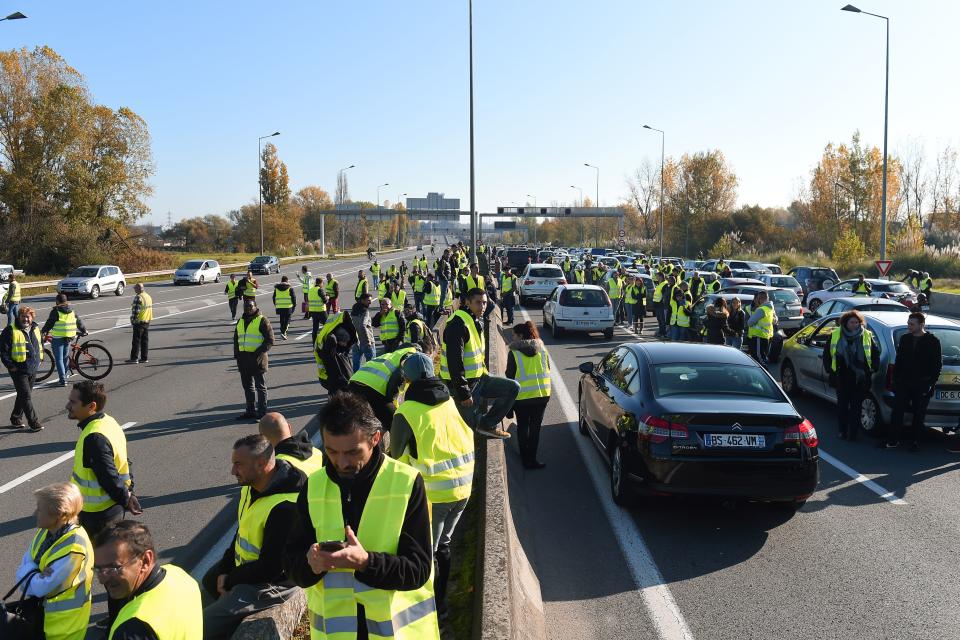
(914, 181)
(644, 188)
(943, 189)
(342, 194)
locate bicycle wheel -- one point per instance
(93, 361)
(46, 367)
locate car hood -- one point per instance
(719, 404)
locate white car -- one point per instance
(578, 307)
(6, 270)
(539, 280)
(197, 272)
(92, 280)
(781, 282)
(879, 289)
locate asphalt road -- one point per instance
(182, 403)
(874, 557)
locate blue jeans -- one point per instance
(443, 291)
(734, 341)
(443, 520)
(376, 283)
(358, 351)
(661, 313)
(616, 309)
(629, 313)
(12, 310)
(61, 347)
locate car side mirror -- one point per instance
(807, 314)
(586, 367)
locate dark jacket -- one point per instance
(455, 336)
(444, 271)
(268, 568)
(296, 446)
(34, 349)
(415, 329)
(335, 359)
(254, 361)
(716, 326)
(54, 316)
(429, 391)
(98, 456)
(406, 570)
(527, 348)
(919, 362)
(134, 628)
(737, 322)
(283, 286)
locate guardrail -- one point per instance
(236, 266)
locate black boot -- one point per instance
(440, 579)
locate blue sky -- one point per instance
(383, 85)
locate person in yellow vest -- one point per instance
(160, 602)
(861, 288)
(661, 303)
(233, 295)
(12, 298)
(529, 364)
(851, 359)
(21, 351)
(715, 285)
(284, 301)
(579, 275)
(252, 339)
(141, 313)
(428, 434)
(926, 286)
(362, 285)
(248, 286)
(63, 324)
(249, 577)
(680, 315)
(306, 281)
(471, 280)
(398, 297)
(418, 280)
(362, 545)
(635, 302)
(331, 351)
(333, 294)
(417, 331)
(56, 568)
(375, 274)
(761, 326)
(379, 382)
(463, 369)
(317, 306)
(720, 266)
(508, 294)
(431, 300)
(615, 291)
(392, 325)
(297, 449)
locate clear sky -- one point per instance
(383, 85)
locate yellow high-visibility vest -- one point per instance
(314, 300)
(232, 289)
(361, 288)
(474, 283)
(173, 608)
(866, 339)
(95, 498)
(398, 299)
(19, 343)
(251, 520)
(764, 327)
(331, 324)
(15, 293)
(249, 337)
(65, 326)
(432, 298)
(66, 611)
(445, 455)
(473, 365)
(146, 308)
(330, 285)
(376, 373)
(309, 466)
(415, 322)
(390, 325)
(283, 298)
(533, 375)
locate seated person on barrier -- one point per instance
(250, 577)
(298, 450)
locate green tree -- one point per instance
(274, 180)
(316, 205)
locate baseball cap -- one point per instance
(417, 366)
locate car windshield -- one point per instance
(583, 298)
(949, 343)
(892, 287)
(713, 378)
(783, 281)
(823, 273)
(786, 297)
(545, 272)
(261, 259)
(192, 264)
(85, 272)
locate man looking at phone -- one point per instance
(249, 577)
(365, 580)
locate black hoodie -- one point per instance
(429, 391)
(298, 446)
(268, 568)
(527, 348)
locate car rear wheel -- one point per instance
(870, 419)
(95, 292)
(814, 305)
(618, 487)
(201, 280)
(788, 379)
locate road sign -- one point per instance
(504, 224)
(622, 243)
(623, 233)
(883, 266)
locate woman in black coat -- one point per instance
(715, 325)
(851, 365)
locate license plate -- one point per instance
(943, 394)
(585, 323)
(735, 440)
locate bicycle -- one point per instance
(90, 359)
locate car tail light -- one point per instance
(656, 429)
(803, 432)
(888, 381)
(528, 281)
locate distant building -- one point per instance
(433, 201)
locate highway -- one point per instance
(179, 410)
(874, 557)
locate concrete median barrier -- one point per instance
(945, 304)
(277, 623)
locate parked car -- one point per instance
(197, 272)
(726, 283)
(781, 282)
(839, 305)
(265, 265)
(92, 280)
(517, 258)
(578, 307)
(539, 280)
(786, 304)
(696, 419)
(890, 289)
(748, 265)
(774, 268)
(802, 367)
(814, 278)
(745, 273)
(6, 270)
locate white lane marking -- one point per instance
(175, 311)
(47, 466)
(303, 335)
(208, 302)
(656, 595)
(889, 496)
(121, 322)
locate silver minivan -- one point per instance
(802, 367)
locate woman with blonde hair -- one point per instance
(56, 572)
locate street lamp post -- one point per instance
(385, 184)
(260, 181)
(663, 144)
(473, 190)
(596, 204)
(398, 221)
(886, 113)
(343, 227)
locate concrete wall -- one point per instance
(945, 304)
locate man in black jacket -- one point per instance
(22, 360)
(334, 353)
(351, 438)
(252, 360)
(915, 374)
(249, 577)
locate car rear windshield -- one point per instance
(583, 298)
(546, 272)
(949, 343)
(786, 297)
(193, 264)
(892, 287)
(823, 273)
(85, 272)
(784, 281)
(709, 378)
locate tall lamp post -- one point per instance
(579, 204)
(260, 180)
(535, 210)
(14, 16)
(398, 221)
(385, 184)
(473, 190)
(596, 204)
(886, 114)
(663, 143)
(343, 227)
